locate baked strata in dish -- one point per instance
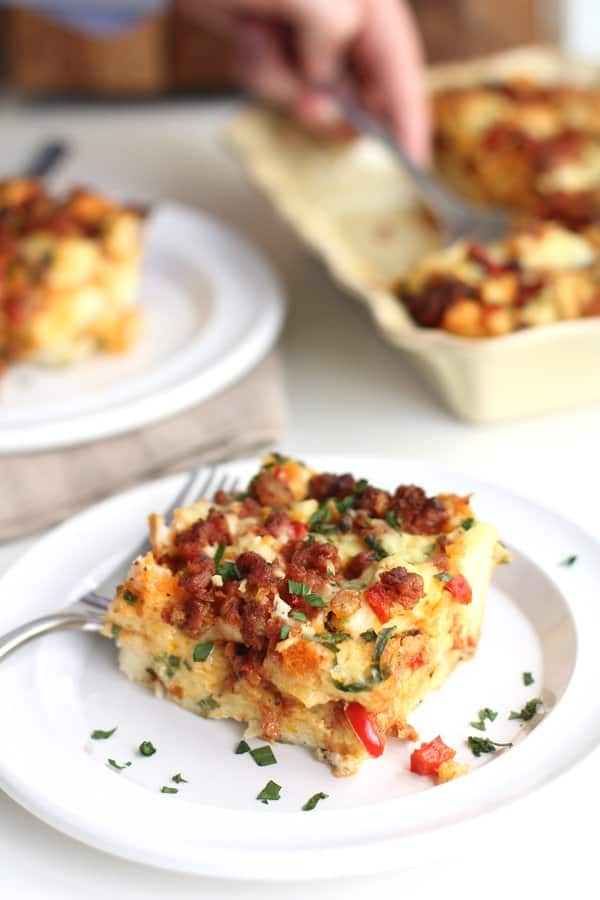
(523, 145)
(68, 273)
(542, 273)
(315, 608)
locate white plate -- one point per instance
(213, 309)
(540, 618)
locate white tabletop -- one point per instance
(347, 391)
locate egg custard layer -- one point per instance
(68, 274)
(315, 608)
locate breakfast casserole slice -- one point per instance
(523, 145)
(540, 274)
(316, 608)
(68, 273)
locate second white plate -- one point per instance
(213, 309)
(540, 618)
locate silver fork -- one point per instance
(87, 612)
(460, 219)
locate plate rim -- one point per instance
(151, 408)
(308, 864)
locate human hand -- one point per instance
(287, 45)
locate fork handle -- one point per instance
(44, 625)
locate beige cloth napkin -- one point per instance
(39, 489)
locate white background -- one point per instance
(347, 391)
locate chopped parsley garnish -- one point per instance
(320, 521)
(479, 745)
(327, 638)
(129, 597)
(312, 801)
(393, 520)
(284, 633)
(278, 460)
(369, 635)
(349, 501)
(315, 600)
(528, 711)
(298, 588)
(115, 630)
(202, 651)
(271, 791)
(298, 615)
(169, 661)
(219, 554)
(229, 572)
(569, 561)
(147, 748)
(242, 747)
(179, 779)
(99, 735)
(263, 756)
(376, 546)
(115, 765)
(187, 665)
(467, 524)
(380, 645)
(485, 713)
(528, 679)
(165, 789)
(444, 577)
(208, 703)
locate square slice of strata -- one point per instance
(315, 608)
(68, 274)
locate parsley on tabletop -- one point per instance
(99, 735)
(179, 779)
(569, 561)
(168, 790)
(263, 756)
(271, 791)
(312, 801)
(528, 679)
(485, 713)
(115, 765)
(479, 745)
(528, 711)
(242, 747)
(147, 748)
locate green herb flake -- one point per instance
(444, 577)
(129, 597)
(202, 651)
(285, 632)
(479, 745)
(467, 524)
(376, 546)
(356, 687)
(348, 502)
(229, 572)
(315, 600)
(179, 779)
(263, 756)
(328, 638)
(99, 735)
(115, 630)
(165, 789)
(208, 703)
(569, 561)
(298, 615)
(312, 801)
(271, 791)
(528, 711)
(219, 554)
(242, 747)
(528, 679)
(485, 713)
(115, 765)
(298, 588)
(393, 520)
(147, 748)
(369, 635)
(187, 665)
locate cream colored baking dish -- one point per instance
(357, 209)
